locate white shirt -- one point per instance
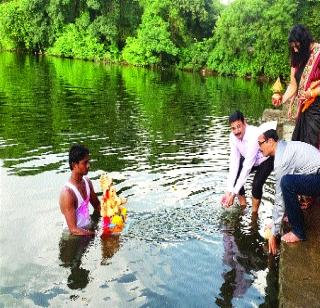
(248, 147)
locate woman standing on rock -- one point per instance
(304, 87)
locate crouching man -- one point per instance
(297, 172)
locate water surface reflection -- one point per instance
(246, 262)
(163, 136)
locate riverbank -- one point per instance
(299, 268)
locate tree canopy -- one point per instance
(246, 38)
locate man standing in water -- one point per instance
(245, 157)
(78, 193)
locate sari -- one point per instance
(307, 128)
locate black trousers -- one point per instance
(260, 177)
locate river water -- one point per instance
(163, 137)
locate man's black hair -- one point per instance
(271, 133)
(236, 116)
(76, 153)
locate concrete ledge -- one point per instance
(285, 127)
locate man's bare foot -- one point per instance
(290, 238)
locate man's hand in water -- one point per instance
(227, 199)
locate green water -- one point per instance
(163, 137)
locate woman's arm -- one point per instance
(292, 87)
(290, 91)
(314, 89)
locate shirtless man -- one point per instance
(78, 194)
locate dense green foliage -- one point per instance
(169, 29)
(78, 41)
(88, 29)
(253, 41)
(153, 41)
(251, 36)
(245, 38)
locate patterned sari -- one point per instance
(307, 127)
